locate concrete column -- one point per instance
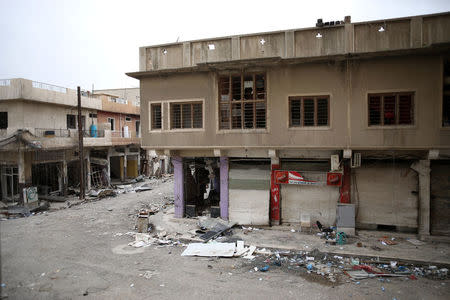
(124, 167)
(224, 187)
(178, 178)
(422, 167)
(88, 171)
(64, 177)
(139, 163)
(24, 168)
(108, 167)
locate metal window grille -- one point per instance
(156, 116)
(309, 111)
(391, 109)
(242, 101)
(186, 115)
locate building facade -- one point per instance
(292, 125)
(39, 140)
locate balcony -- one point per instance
(19, 88)
(119, 137)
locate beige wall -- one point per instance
(420, 74)
(128, 108)
(28, 114)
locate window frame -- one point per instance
(151, 119)
(397, 94)
(315, 97)
(230, 102)
(191, 103)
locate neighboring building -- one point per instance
(360, 110)
(39, 139)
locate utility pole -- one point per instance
(80, 146)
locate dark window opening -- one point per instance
(391, 109)
(242, 101)
(309, 111)
(3, 119)
(186, 115)
(71, 122)
(156, 116)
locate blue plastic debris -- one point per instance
(382, 288)
(309, 266)
(264, 269)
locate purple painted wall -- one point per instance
(224, 188)
(178, 178)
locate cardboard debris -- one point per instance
(211, 249)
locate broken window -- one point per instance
(186, 115)
(71, 122)
(156, 115)
(391, 109)
(3, 119)
(446, 95)
(309, 111)
(242, 101)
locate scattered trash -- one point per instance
(415, 242)
(386, 241)
(264, 269)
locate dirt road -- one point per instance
(82, 252)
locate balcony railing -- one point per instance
(51, 132)
(49, 87)
(122, 134)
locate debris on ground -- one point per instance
(210, 249)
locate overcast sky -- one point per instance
(85, 42)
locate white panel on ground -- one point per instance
(319, 202)
(383, 194)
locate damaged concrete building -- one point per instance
(39, 139)
(343, 123)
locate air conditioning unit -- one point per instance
(356, 160)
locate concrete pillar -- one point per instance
(224, 187)
(422, 167)
(275, 195)
(108, 167)
(142, 59)
(64, 177)
(139, 163)
(24, 169)
(178, 178)
(124, 167)
(88, 170)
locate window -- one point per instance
(391, 109)
(3, 119)
(71, 122)
(242, 101)
(309, 111)
(128, 119)
(186, 115)
(92, 115)
(156, 116)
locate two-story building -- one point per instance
(286, 126)
(39, 139)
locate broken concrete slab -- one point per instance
(211, 249)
